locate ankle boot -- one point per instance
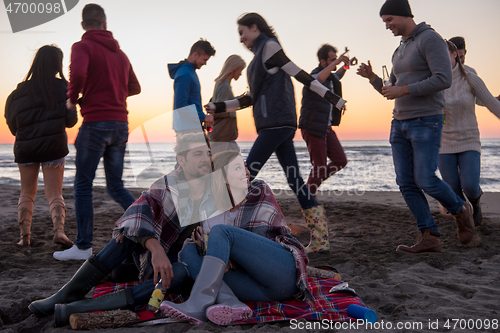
(204, 293)
(58, 213)
(318, 227)
(88, 276)
(478, 215)
(24, 213)
(122, 299)
(227, 308)
(465, 223)
(428, 244)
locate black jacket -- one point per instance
(40, 132)
(272, 93)
(315, 110)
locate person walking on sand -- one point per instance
(187, 88)
(37, 116)
(271, 94)
(102, 73)
(317, 118)
(421, 72)
(460, 152)
(225, 129)
(153, 229)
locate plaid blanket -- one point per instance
(326, 306)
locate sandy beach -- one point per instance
(461, 284)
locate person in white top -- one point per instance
(459, 155)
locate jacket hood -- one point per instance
(421, 27)
(173, 69)
(103, 37)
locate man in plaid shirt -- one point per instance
(154, 227)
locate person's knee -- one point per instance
(220, 230)
(426, 180)
(472, 191)
(188, 252)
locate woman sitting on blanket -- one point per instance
(250, 255)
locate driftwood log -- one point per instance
(323, 273)
(108, 319)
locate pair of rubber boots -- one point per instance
(68, 299)
(57, 211)
(210, 298)
(317, 225)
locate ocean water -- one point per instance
(370, 166)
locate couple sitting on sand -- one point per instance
(250, 254)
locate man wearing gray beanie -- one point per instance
(421, 71)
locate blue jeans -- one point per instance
(280, 141)
(106, 139)
(115, 253)
(462, 172)
(266, 271)
(415, 149)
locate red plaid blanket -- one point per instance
(327, 306)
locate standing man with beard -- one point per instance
(421, 71)
(153, 230)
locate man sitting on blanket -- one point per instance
(154, 228)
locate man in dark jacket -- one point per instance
(102, 73)
(317, 116)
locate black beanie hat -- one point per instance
(397, 8)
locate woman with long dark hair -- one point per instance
(460, 152)
(37, 116)
(275, 115)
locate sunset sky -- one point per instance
(155, 33)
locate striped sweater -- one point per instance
(274, 59)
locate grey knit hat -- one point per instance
(397, 8)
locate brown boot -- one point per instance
(428, 244)
(24, 213)
(58, 213)
(465, 223)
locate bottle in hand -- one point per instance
(157, 297)
(346, 53)
(387, 78)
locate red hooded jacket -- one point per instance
(102, 73)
